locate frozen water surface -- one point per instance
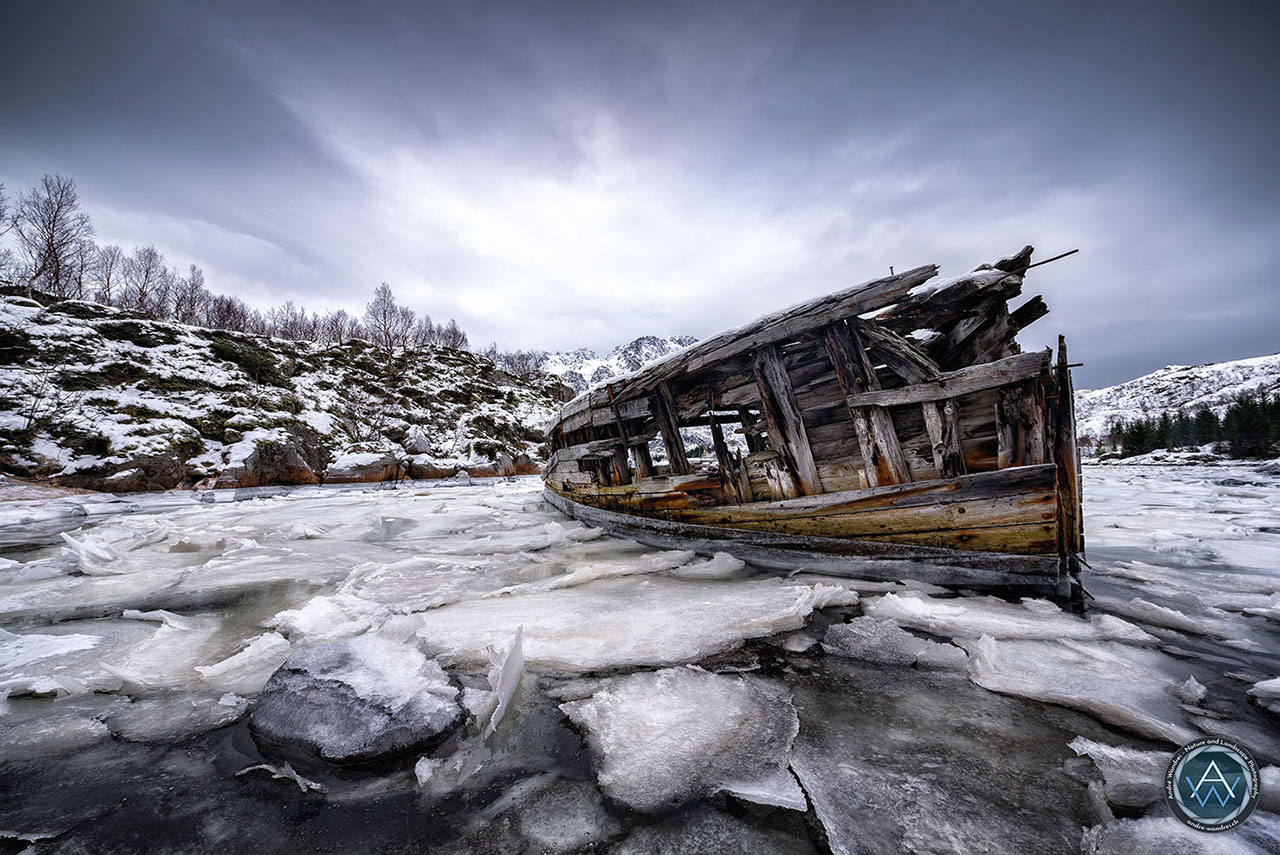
(617, 698)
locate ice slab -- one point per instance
(247, 672)
(1131, 778)
(971, 617)
(901, 760)
(175, 716)
(1258, 835)
(52, 735)
(668, 737)
(883, 641)
(615, 623)
(707, 831)
(1130, 687)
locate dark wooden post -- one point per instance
(753, 442)
(1070, 518)
(881, 451)
(644, 463)
(782, 416)
(664, 411)
(620, 462)
(1020, 426)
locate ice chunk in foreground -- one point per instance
(1131, 778)
(1127, 686)
(357, 700)
(668, 737)
(504, 677)
(248, 671)
(1267, 694)
(625, 622)
(883, 641)
(50, 736)
(175, 716)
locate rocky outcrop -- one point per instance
(365, 468)
(297, 457)
(356, 701)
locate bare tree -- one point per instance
(226, 313)
(106, 273)
(338, 328)
(80, 273)
(145, 278)
(450, 335)
(522, 364)
(49, 225)
(293, 322)
(424, 333)
(388, 324)
(190, 297)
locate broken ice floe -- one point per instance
(883, 641)
(1132, 688)
(1132, 779)
(615, 623)
(668, 737)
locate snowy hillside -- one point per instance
(1176, 388)
(582, 368)
(97, 397)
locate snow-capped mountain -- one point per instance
(582, 368)
(1176, 388)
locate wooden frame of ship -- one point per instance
(893, 422)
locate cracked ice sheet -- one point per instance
(1164, 835)
(899, 760)
(668, 737)
(971, 617)
(626, 622)
(1129, 687)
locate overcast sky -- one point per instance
(557, 175)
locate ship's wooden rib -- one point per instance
(872, 425)
(786, 426)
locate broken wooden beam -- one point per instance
(665, 412)
(989, 375)
(877, 439)
(782, 415)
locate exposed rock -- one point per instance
(270, 463)
(364, 468)
(357, 701)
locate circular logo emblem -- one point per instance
(1212, 783)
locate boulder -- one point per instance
(362, 467)
(357, 701)
(269, 463)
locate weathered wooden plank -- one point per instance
(728, 469)
(982, 485)
(964, 381)
(838, 556)
(944, 439)
(1066, 457)
(778, 327)
(664, 411)
(873, 426)
(643, 461)
(1020, 509)
(898, 354)
(1033, 539)
(1020, 425)
(786, 425)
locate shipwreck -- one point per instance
(896, 421)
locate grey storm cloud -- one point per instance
(563, 174)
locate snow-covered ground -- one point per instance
(1174, 389)
(615, 697)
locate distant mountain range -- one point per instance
(582, 368)
(1176, 388)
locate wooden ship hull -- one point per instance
(891, 422)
